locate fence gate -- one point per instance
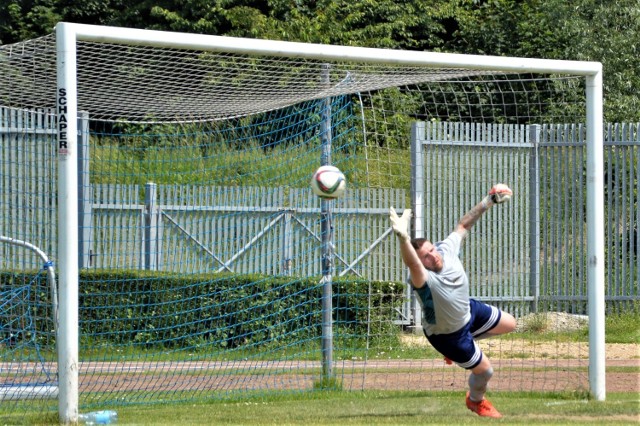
(270, 231)
(456, 165)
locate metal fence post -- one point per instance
(534, 217)
(85, 194)
(417, 204)
(150, 239)
(326, 224)
(287, 243)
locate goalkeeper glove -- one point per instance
(498, 194)
(400, 225)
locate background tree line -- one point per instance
(599, 30)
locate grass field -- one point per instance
(389, 408)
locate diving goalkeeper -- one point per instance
(451, 320)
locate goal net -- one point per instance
(206, 268)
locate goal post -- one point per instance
(595, 239)
(412, 67)
(68, 326)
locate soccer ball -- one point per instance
(328, 182)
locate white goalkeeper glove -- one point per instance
(498, 194)
(400, 225)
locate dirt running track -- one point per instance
(511, 375)
(547, 367)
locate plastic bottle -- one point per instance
(105, 417)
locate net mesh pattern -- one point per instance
(151, 84)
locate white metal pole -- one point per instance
(327, 52)
(67, 113)
(595, 237)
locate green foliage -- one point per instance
(25, 19)
(606, 32)
(536, 324)
(145, 310)
(488, 27)
(27, 306)
(578, 30)
(221, 311)
(585, 30)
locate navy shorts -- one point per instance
(460, 346)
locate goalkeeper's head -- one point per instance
(430, 257)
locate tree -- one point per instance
(598, 30)
(586, 30)
(26, 19)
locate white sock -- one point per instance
(478, 385)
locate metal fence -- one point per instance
(534, 248)
(531, 251)
(197, 229)
(28, 182)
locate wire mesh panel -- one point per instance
(622, 159)
(462, 161)
(563, 233)
(28, 178)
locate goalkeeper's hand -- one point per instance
(400, 225)
(498, 194)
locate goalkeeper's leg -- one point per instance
(489, 321)
(507, 324)
(478, 380)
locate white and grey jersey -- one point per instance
(445, 296)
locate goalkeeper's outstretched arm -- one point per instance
(400, 226)
(498, 194)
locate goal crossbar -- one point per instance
(240, 45)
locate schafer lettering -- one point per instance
(63, 147)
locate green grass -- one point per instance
(386, 408)
(623, 327)
(383, 408)
(287, 166)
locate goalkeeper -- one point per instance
(451, 320)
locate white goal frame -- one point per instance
(68, 34)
